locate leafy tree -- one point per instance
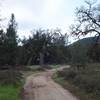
(8, 53)
(11, 42)
(58, 51)
(45, 46)
(79, 53)
(2, 47)
(94, 52)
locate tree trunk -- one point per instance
(41, 59)
(29, 61)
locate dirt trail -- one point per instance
(42, 87)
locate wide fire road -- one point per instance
(42, 87)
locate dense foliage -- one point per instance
(51, 44)
(44, 46)
(8, 41)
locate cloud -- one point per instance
(51, 7)
(32, 14)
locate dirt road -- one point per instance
(42, 87)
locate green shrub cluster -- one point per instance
(87, 79)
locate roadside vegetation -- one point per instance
(10, 92)
(83, 77)
(83, 82)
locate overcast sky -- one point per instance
(35, 14)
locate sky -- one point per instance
(35, 14)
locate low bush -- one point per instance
(88, 79)
(68, 73)
(10, 76)
(86, 83)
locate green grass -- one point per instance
(35, 67)
(55, 66)
(10, 92)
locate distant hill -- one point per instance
(80, 48)
(86, 41)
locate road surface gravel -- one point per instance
(41, 87)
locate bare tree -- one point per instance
(87, 20)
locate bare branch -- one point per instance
(88, 20)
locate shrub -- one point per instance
(10, 76)
(68, 73)
(87, 79)
(86, 83)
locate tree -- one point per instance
(35, 45)
(8, 47)
(94, 52)
(79, 53)
(11, 41)
(45, 46)
(59, 52)
(2, 47)
(88, 20)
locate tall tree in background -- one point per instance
(11, 41)
(58, 50)
(45, 46)
(2, 47)
(36, 47)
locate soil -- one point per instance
(41, 87)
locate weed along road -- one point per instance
(41, 87)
